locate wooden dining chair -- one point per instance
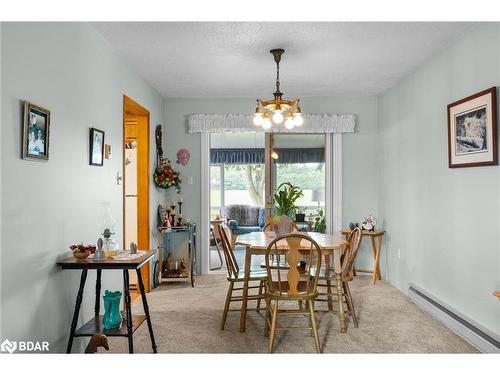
(268, 229)
(292, 284)
(328, 278)
(237, 275)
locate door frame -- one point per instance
(131, 107)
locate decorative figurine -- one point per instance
(99, 253)
(97, 340)
(133, 248)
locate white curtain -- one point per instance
(313, 123)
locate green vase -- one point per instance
(112, 317)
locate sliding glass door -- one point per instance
(300, 160)
(246, 170)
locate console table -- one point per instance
(376, 242)
(94, 325)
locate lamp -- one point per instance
(318, 196)
(278, 109)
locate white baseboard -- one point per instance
(481, 338)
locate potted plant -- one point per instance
(319, 224)
(300, 215)
(284, 206)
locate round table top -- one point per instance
(260, 240)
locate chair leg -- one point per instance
(314, 325)
(266, 327)
(261, 285)
(329, 294)
(226, 305)
(350, 304)
(272, 334)
(300, 304)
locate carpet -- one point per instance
(187, 320)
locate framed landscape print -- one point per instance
(96, 147)
(36, 131)
(472, 130)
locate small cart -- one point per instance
(166, 271)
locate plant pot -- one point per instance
(282, 225)
(300, 218)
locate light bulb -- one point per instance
(278, 117)
(298, 119)
(257, 119)
(266, 124)
(274, 155)
(289, 123)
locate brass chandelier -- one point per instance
(278, 110)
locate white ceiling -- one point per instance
(229, 59)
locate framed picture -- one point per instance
(96, 147)
(472, 130)
(36, 131)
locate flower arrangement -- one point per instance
(81, 248)
(166, 177)
(369, 223)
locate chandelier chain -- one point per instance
(278, 77)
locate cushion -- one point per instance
(262, 217)
(244, 215)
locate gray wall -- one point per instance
(360, 167)
(444, 221)
(69, 69)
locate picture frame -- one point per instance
(36, 132)
(96, 149)
(472, 130)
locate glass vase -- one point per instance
(112, 317)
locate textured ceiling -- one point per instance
(226, 59)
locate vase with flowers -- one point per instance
(284, 207)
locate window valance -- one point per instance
(256, 155)
(313, 123)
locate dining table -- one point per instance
(256, 243)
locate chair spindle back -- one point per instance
(232, 266)
(351, 250)
(303, 254)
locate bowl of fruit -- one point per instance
(82, 251)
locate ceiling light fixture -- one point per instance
(278, 110)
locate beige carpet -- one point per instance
(187, 320)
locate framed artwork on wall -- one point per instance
(96, 156)
(472, 130)
(36, 131)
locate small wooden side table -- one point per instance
(94, 325)
(376, 242)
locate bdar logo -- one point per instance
(8, 346)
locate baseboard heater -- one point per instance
(481, 338)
